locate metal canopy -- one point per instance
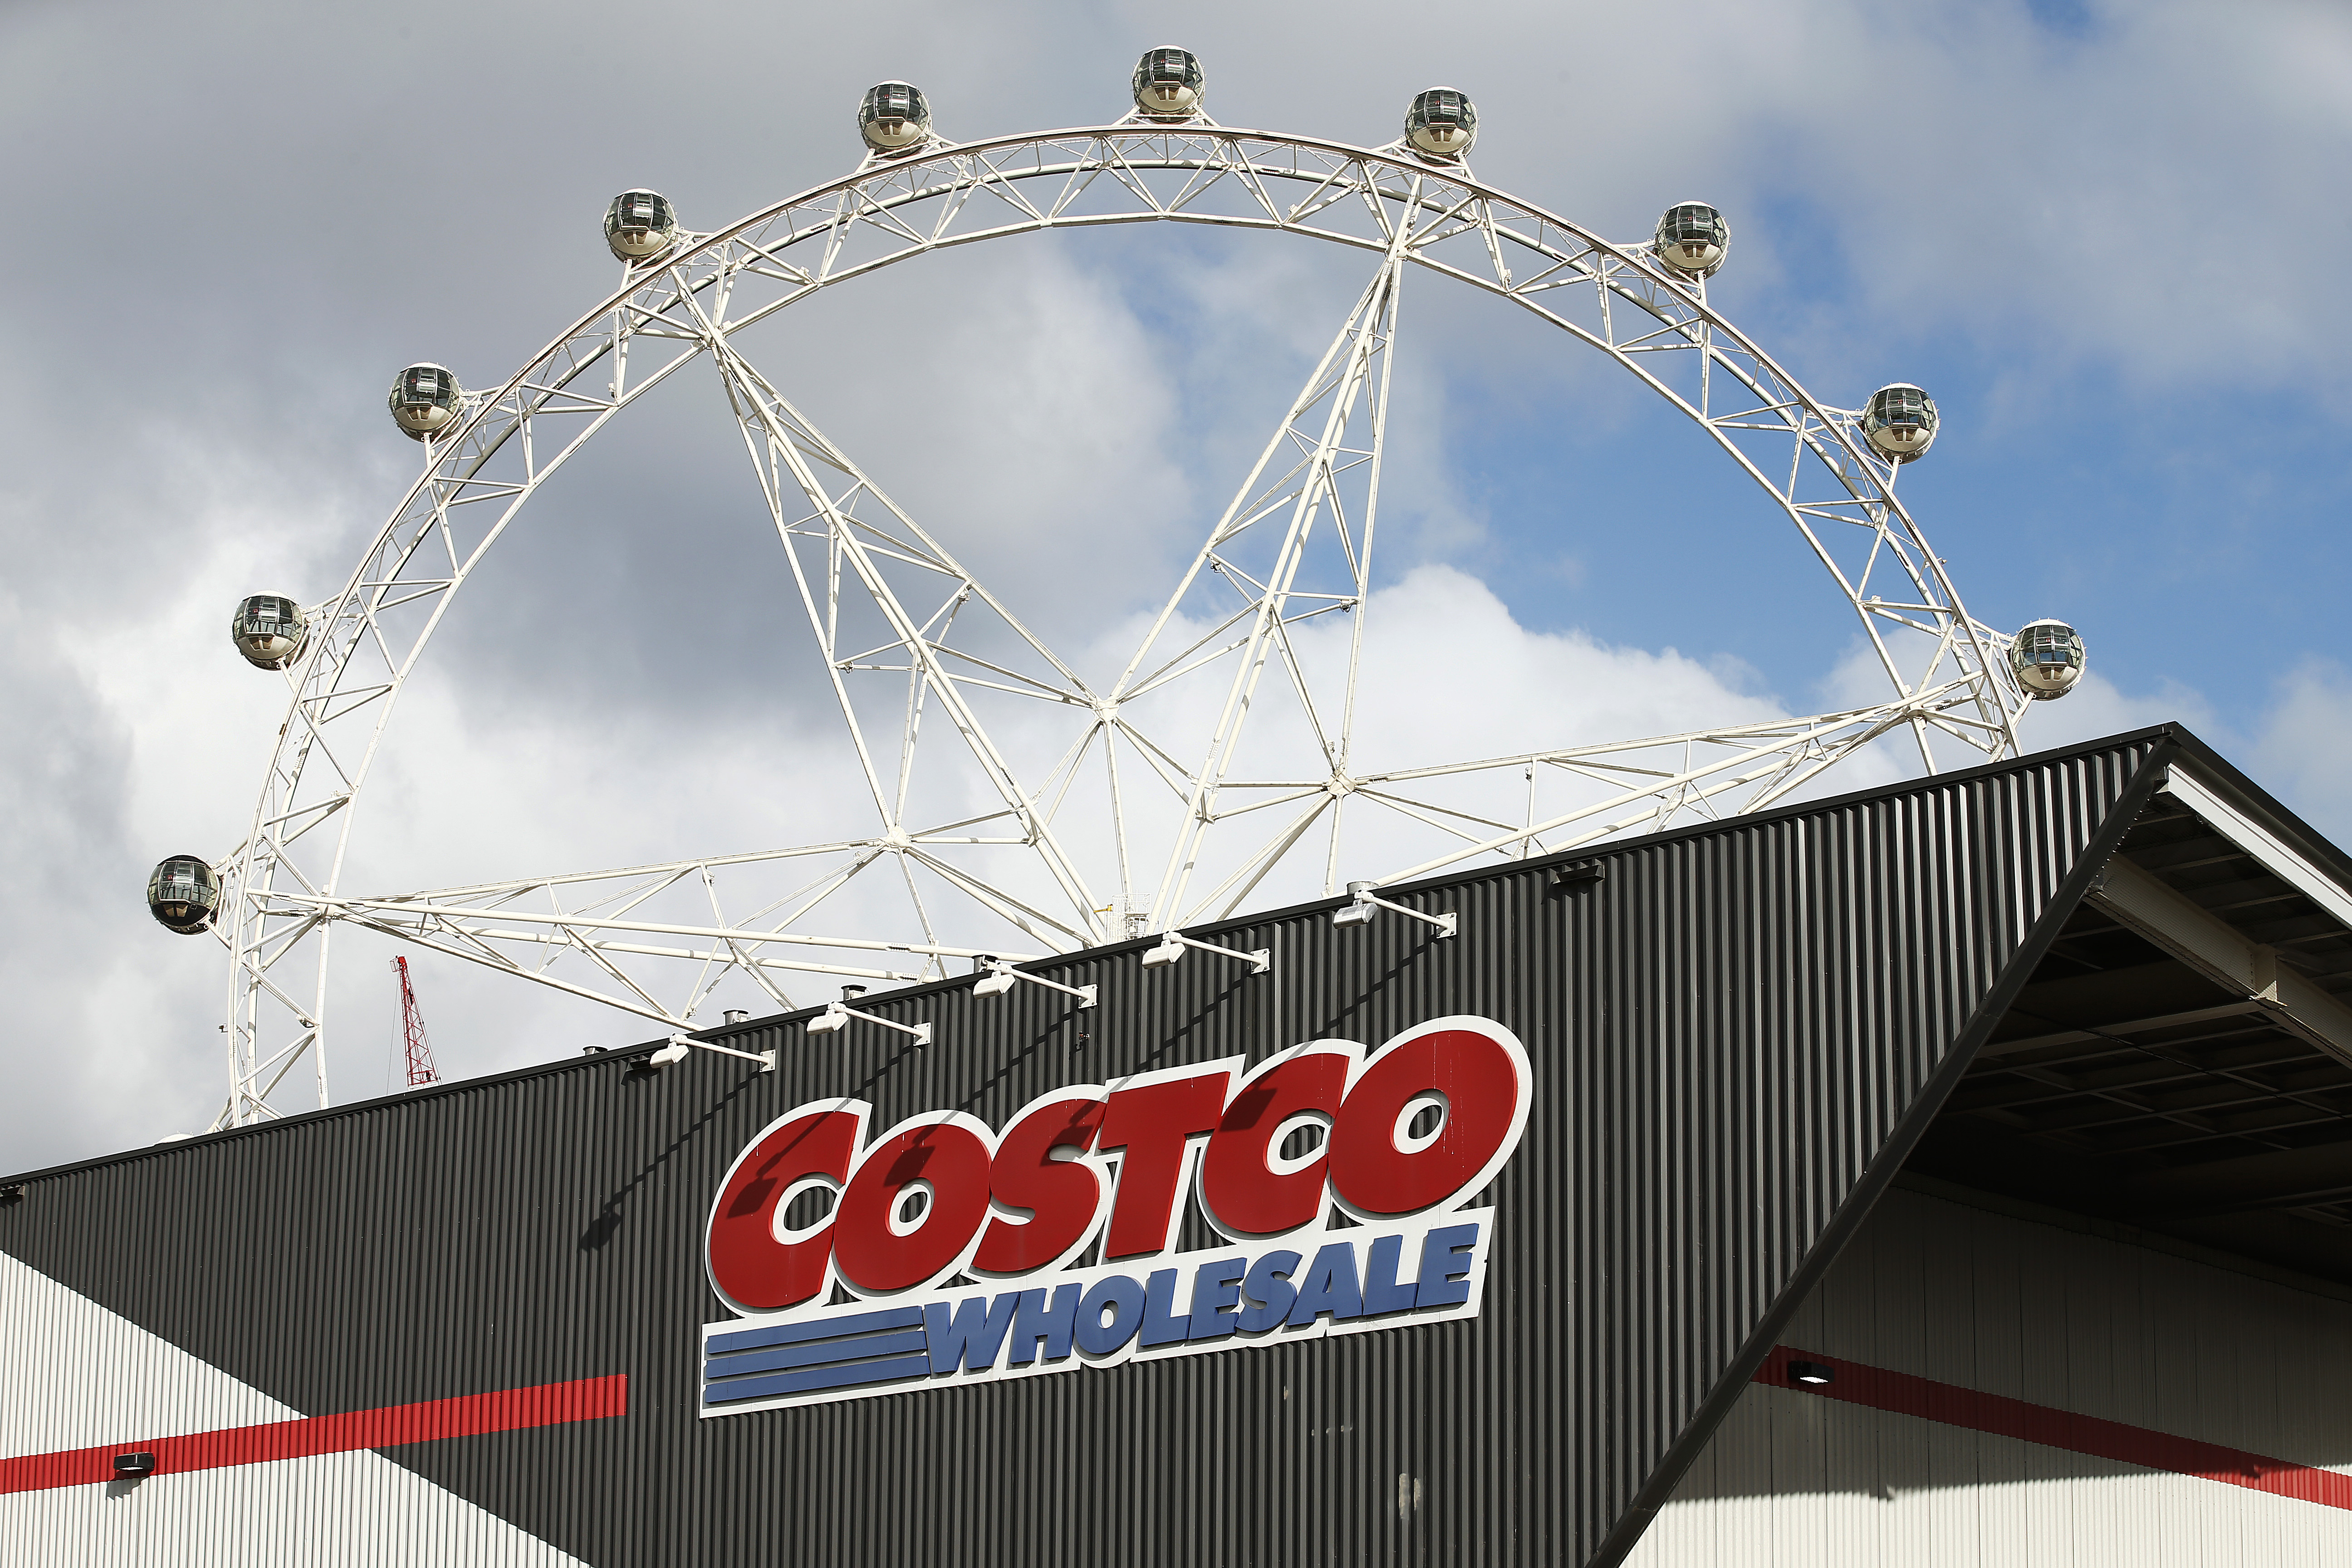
(2181, 1060)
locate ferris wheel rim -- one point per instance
(637, 275)
(1071, 141)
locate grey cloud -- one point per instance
(259, 211)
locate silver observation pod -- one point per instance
(640, 225)
(894, 118)
(1900, 422)
(425, 400)
(183, 895)
(268, 630)
(2047, 658)
(1441, 123)
(1694, 238)
(1167, 84)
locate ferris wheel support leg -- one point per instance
(1345, 754)
(792, 443)
(319, 1016)
(233, 1031)
(1346, 374)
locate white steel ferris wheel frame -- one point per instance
(859, 561)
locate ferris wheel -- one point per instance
(1021, 806)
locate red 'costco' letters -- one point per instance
(1415, 1128)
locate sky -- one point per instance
(2105, 237)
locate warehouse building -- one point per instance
(1956, 1170)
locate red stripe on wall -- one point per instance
(1953, 1405)
(509, 1410)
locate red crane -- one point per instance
(412, 1031)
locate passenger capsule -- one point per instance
(425, 400)
(1693, 238)
(893, 117)
(269, 631)
(183, 895)
(640, 225)
(2047, 658)
(1900, 421)
(1441, 123)
(1167, 84)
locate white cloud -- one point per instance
(2303, 748)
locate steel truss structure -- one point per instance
(1132, 821)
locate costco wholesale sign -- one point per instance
(956, 1242)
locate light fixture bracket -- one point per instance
(1001, 975)
(836, 1016)
(680, 1045)
(1363, 904)
(1173, 943)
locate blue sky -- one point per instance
(2108, 240)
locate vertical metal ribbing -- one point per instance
(1725, 1031)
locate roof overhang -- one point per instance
(2181, 1058)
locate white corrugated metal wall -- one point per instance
(77, 1375)
(2063, 1316)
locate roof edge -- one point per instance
(2241, 794)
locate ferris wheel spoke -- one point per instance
(1023, 685)
(286, 1061)
(805, 899)
(591, 952)
(414, 916)
(1060, 778)
(1280, 626)
(1448, 818)
(792, 448)
(1243, 882)
(1023, 915)
(262, 982)
(1286, 793)
(290, 931)
(824, 622)
(1354, 371)
(599, 925)
(1773, 758)
(933, 970)
(1183, 664)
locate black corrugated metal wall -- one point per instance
(1727, 1032)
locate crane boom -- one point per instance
(412, 1031)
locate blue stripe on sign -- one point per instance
(818, 1329)
(817, 1378)
(823, 1352)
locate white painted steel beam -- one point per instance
(2222, 954)
(2260, 842)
